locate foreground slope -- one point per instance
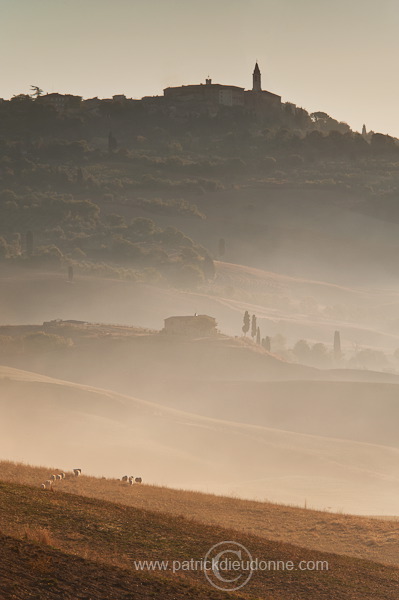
(361, 537)
(31, 570)
(104, 533)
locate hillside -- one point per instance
(293, 307)
(29, 569)
(363, 411)
(84, 536)
(109, 433)
(361, 537)
(129, 190)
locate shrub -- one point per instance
(38, 535)
(45, 342)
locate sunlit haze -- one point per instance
(199, 299)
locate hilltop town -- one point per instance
(191, 101)
(178, 101)
(181, 100)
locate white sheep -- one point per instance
(130, 481)
(125, 478)
(48, 484)
(62, 475)
(43, 486)
(58, 477)
(53, 477)
(77, 472)
(138, 480)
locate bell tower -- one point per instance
(256, 83)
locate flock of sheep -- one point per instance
(48, 485)
(130, 480)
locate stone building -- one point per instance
(61, 102)
(205, 97)
(197, 325)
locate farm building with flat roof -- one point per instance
(191, 325)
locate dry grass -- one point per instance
(43, 573)
(97, 538)
(362, 537)
(39, 535)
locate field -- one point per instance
(362, 537)
(52, 540)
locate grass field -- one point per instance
(55, 534)
(362, 537)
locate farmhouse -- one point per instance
(201, 325)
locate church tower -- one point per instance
(256, 85)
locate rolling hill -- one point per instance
(109, 434)
(362, 537)
(57, 542)
(292, 306)
(353, 410)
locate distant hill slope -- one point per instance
(293, 306)
(362, 411)
(312, 309)
(108, 433)
(107, 534)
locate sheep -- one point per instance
(48, 484)
(130, 481)
(138, 480)
(62, 475)
(125, 478)
(58, 477)
(43, 486)
(53, 477)
(77, 472)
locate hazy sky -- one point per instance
(338, 56)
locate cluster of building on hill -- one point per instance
(183, 100)
(211, 96)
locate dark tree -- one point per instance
(337, 345)
(70, 273)
(79, 176)
(3, 248)
(258, 336)
(29, 243)
(36, 91)
(112, 143)
(222, 247)
(302, 350)
(247, 322)
(266, 343)
(253, 326)
(209, 267)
